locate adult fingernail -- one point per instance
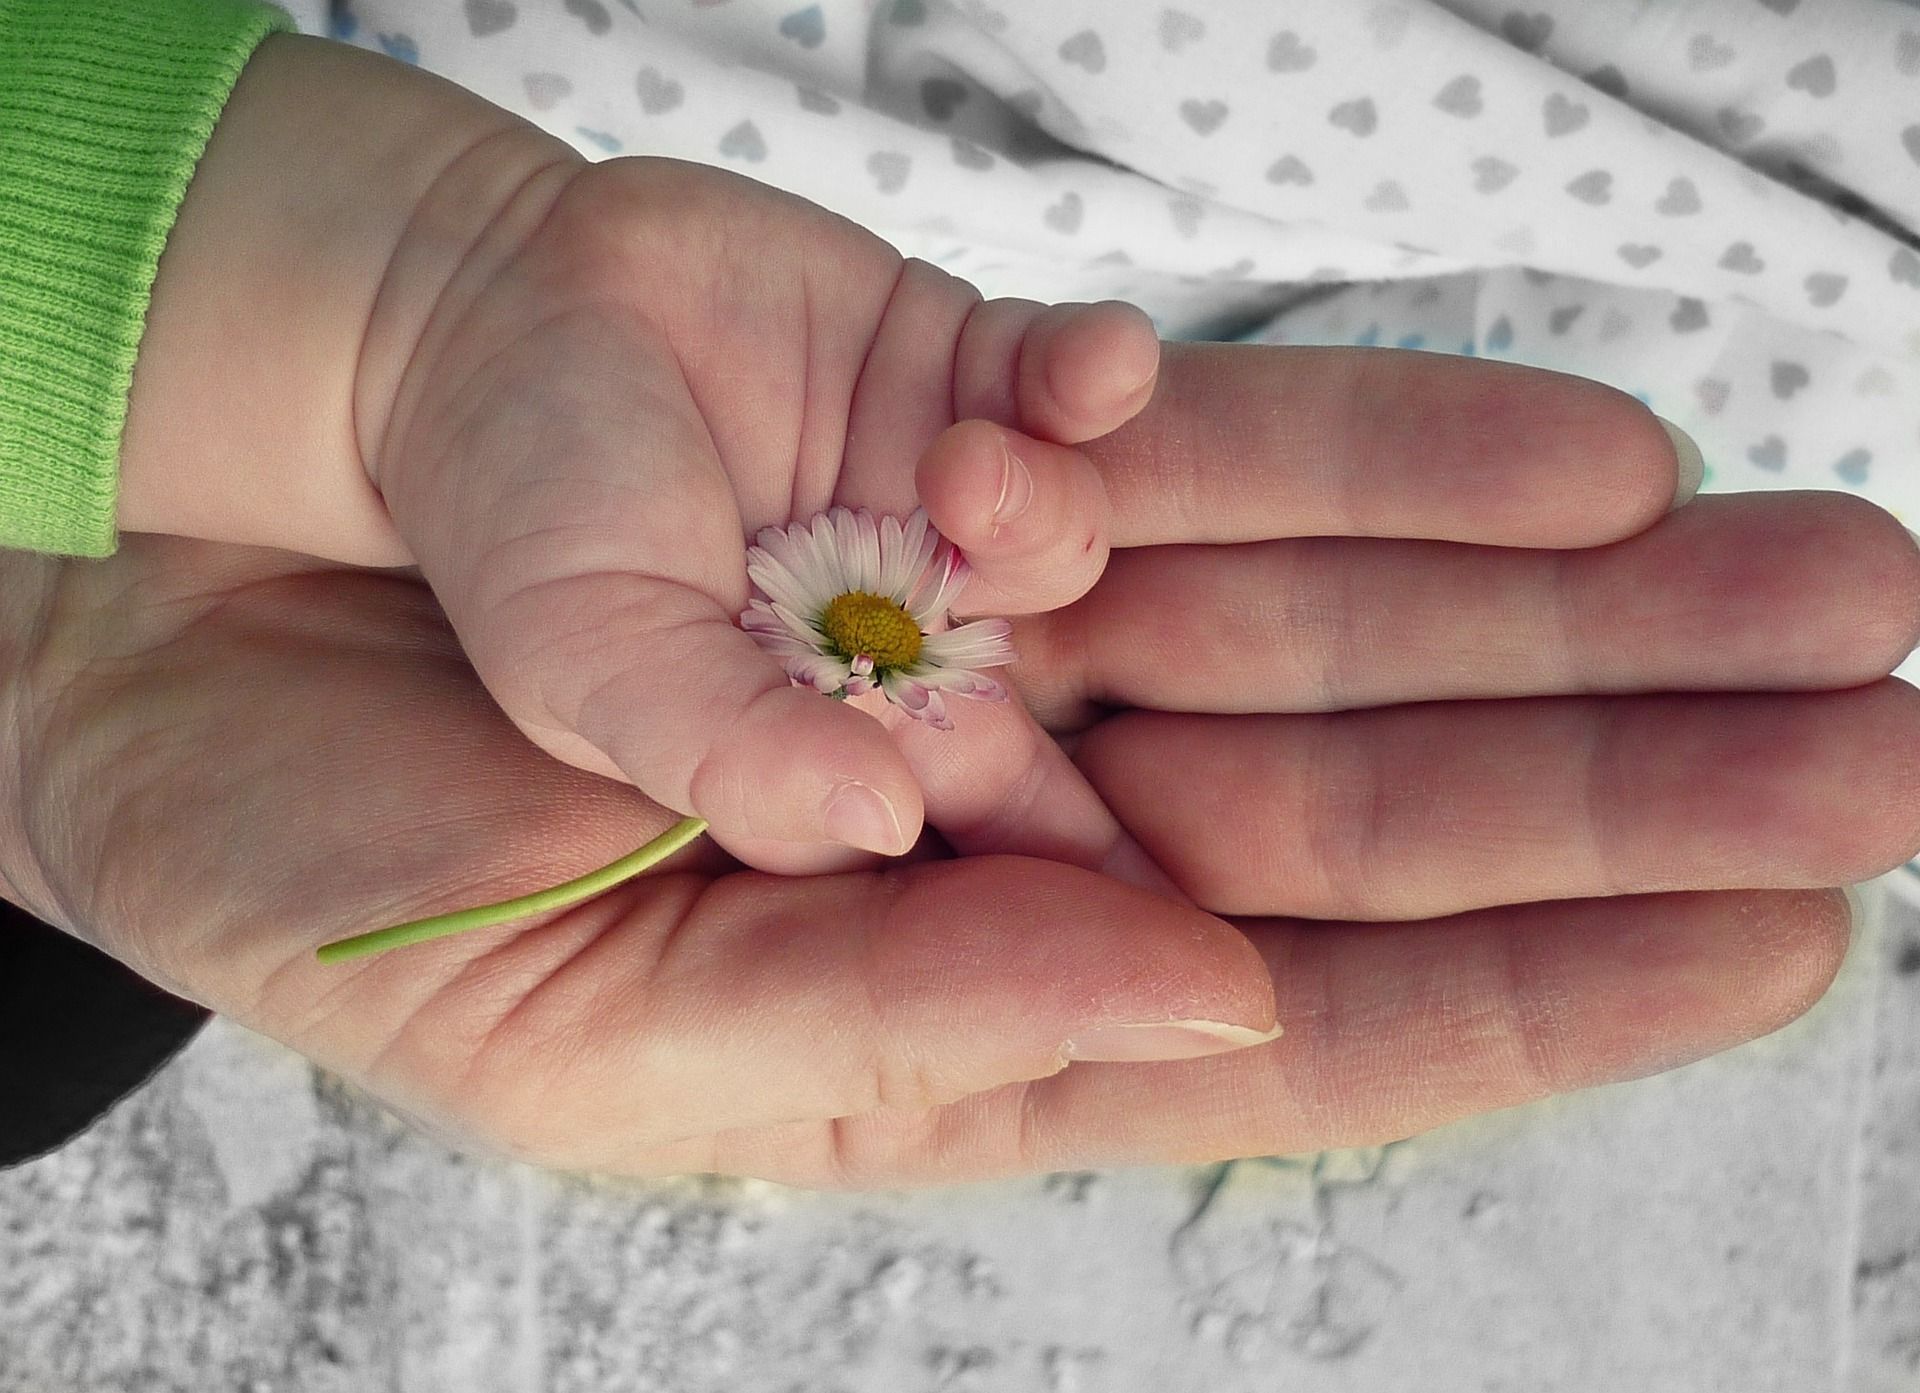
(862, 817)
(1016, 487)
(1856, 907)
(1693, 468)
(1147, 1040)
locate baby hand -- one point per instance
(571, 393)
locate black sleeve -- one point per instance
(79, 1031)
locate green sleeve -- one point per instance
(105, 108)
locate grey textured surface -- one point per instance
(1749, 1223)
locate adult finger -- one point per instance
(1803, 589)
(672, 1008)
(1405, 812)
(1392, 1033)
(1243, 442)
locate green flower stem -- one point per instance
(481, 916)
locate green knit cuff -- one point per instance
(106, 106)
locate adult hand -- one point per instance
(228, 756)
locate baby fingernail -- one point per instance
(1016, 487)
(1693, 468)
(1163, 1040)
(862, 817)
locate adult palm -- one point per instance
(1368, 649)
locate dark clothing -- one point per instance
(79, 1031)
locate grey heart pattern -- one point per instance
(1639, 255)
(486, 17)
(907, 13)
(818, 102)
(745, 142)
(1739, 126)
(1387, 197)
(1116, 257)
(1787, 378)
(1782, 7)
(595, 15)
(1770, 454)
(941, 96)
(1492, 174)
(1910, 138)
(1563, 117)
(1824, 288)
(1186, 215)
(1680, 199)
(1560, 320)
(1741, 257)
(1289, 169)
(1203, 117)
(1460, 97)
(1904, 267)
(1527, 31)
(1065, 215)
(1085, 50)
(1616, 323)
(1178, 28)
(889, 169)
(1815, 76)
(1906, 53)
(1706, 53)
(1357, 116)
(970, 156)
(1595, 187)
(1286, 54)
(1852, 466)
(1690, 314)
(545, 89)
(1609, 79)
(659, 93)
(1713, 394)
(807, 27)
(1238, 271)
(1500, 334)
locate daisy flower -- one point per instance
(851, 605)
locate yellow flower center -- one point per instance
(857, 623)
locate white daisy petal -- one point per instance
(892, 556)
(964, 682)
(868, 553)
(826, 550)
(798, 626)
(936, 713)
(980, 643)
(777, 583)
(824, 674)
(906, 693)
(952, 579)
(917, 544)
(846, 545)
(809, 583)
(785, 646)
